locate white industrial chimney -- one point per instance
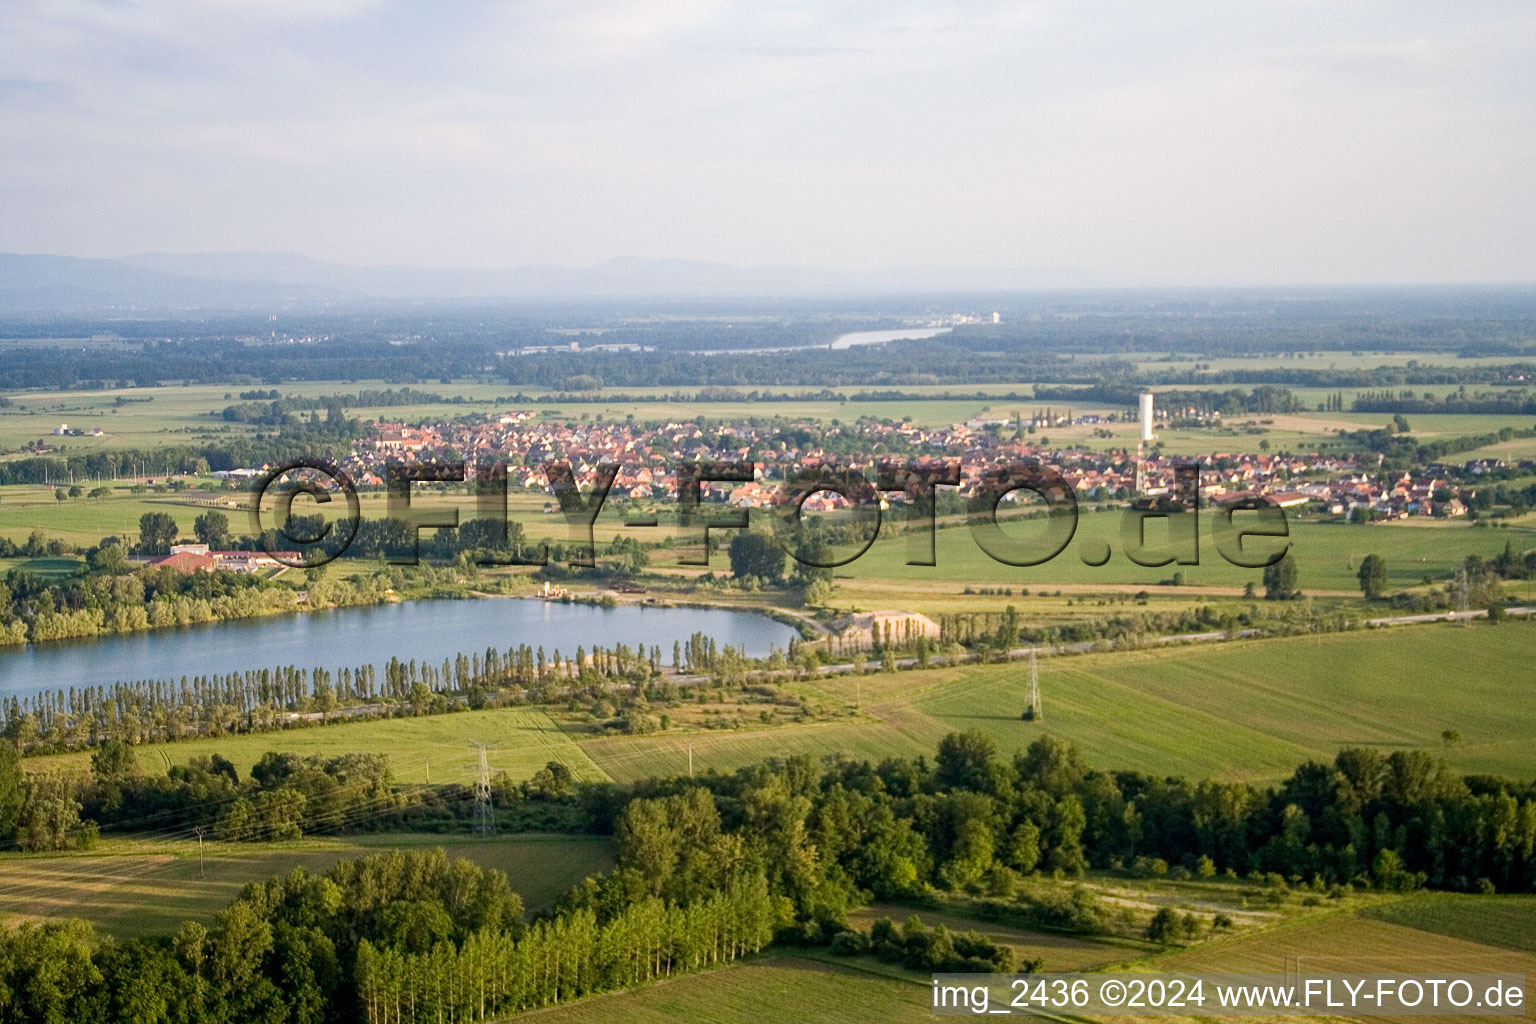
(1146, 417)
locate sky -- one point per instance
(1176, 142)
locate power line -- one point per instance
(485, 818)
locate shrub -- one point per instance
(850, 943)
(1164, 926)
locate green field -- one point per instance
(140, 888)
(1249, 710)
(1256, 709)
(1284, 432)
(54, 568)
(1507, 921)
(155, 416)
(1350, 942)
(175, 414)
(1328, 360)
(522, 741)
(84, 521)
(1510, 451)
(890, 731)
(784, 990)
(1328, 554)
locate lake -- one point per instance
(842, 341)
(428, 631)
(881, 337)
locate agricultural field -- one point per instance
(1255, 709)
(522, 741)
(1282, 432)
(46, 567)
(936, 412)
(84, 521)
(1327, 555)
(1248, 710)
(1350, 943)
(1435, 426)
(1512, 450)
(1245, 710)
(791, 990)
(175, 414)
(188, 416)
(893, 731)
(1506, 921)
(1312, 361)
(134, 887)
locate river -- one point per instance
(881, 337)
(842, 341)
(428, 631)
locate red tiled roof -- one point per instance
(183, 562)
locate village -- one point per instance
(1347, 485)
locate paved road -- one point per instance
(1408, 620)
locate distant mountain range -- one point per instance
(260, 279)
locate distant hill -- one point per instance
(247, 279)
(70, 283)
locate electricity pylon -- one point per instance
(485, 819)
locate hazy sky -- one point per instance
(1168, 142)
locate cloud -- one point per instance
(1276, 141)
(1361, 55)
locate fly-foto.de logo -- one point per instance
(1251, 534)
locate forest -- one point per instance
(713, 869)
(529, 345)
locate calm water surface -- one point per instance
(881, 337)
(428, 631)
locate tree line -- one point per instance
(712, 869)
(114, 600)
(292, 696)
(392, 938)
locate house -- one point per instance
(190, 558)
(184, 562)
(254, 561)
